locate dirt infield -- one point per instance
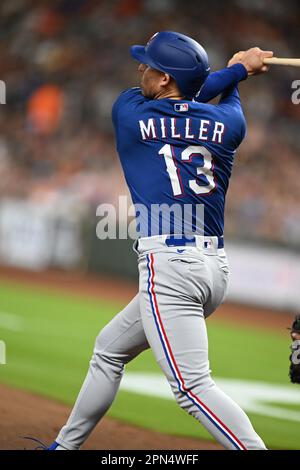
(26, 414)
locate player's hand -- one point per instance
(295, 336)
(252, 59)
(236, 58)
(295, 330)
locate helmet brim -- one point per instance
(139, 53)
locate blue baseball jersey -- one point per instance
(177, 158)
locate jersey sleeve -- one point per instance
(127, 101)
(221, 80)
(231, 97)
(230, 106)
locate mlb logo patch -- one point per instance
(181, 107)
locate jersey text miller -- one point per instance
(199, 129)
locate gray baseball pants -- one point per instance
(178, 288)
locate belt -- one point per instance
(160, 242)
(173, 240)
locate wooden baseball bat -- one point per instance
(281, 61)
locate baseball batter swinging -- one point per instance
(174, 149)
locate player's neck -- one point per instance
(171, 94)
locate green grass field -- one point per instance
(50, 340)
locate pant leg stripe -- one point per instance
(173, 365)
(157, 324)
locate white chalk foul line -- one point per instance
(40, 326)
(11, 322)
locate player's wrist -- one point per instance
(240, 70)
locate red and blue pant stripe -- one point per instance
(174, 367)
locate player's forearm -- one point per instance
(231, 96)
(218, 82)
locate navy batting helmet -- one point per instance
(177, 55)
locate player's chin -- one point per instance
(147, 93)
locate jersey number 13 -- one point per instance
(186, 156)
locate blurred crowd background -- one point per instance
(64, 63)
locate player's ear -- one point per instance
(166, 79)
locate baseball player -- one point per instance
(176, 151)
